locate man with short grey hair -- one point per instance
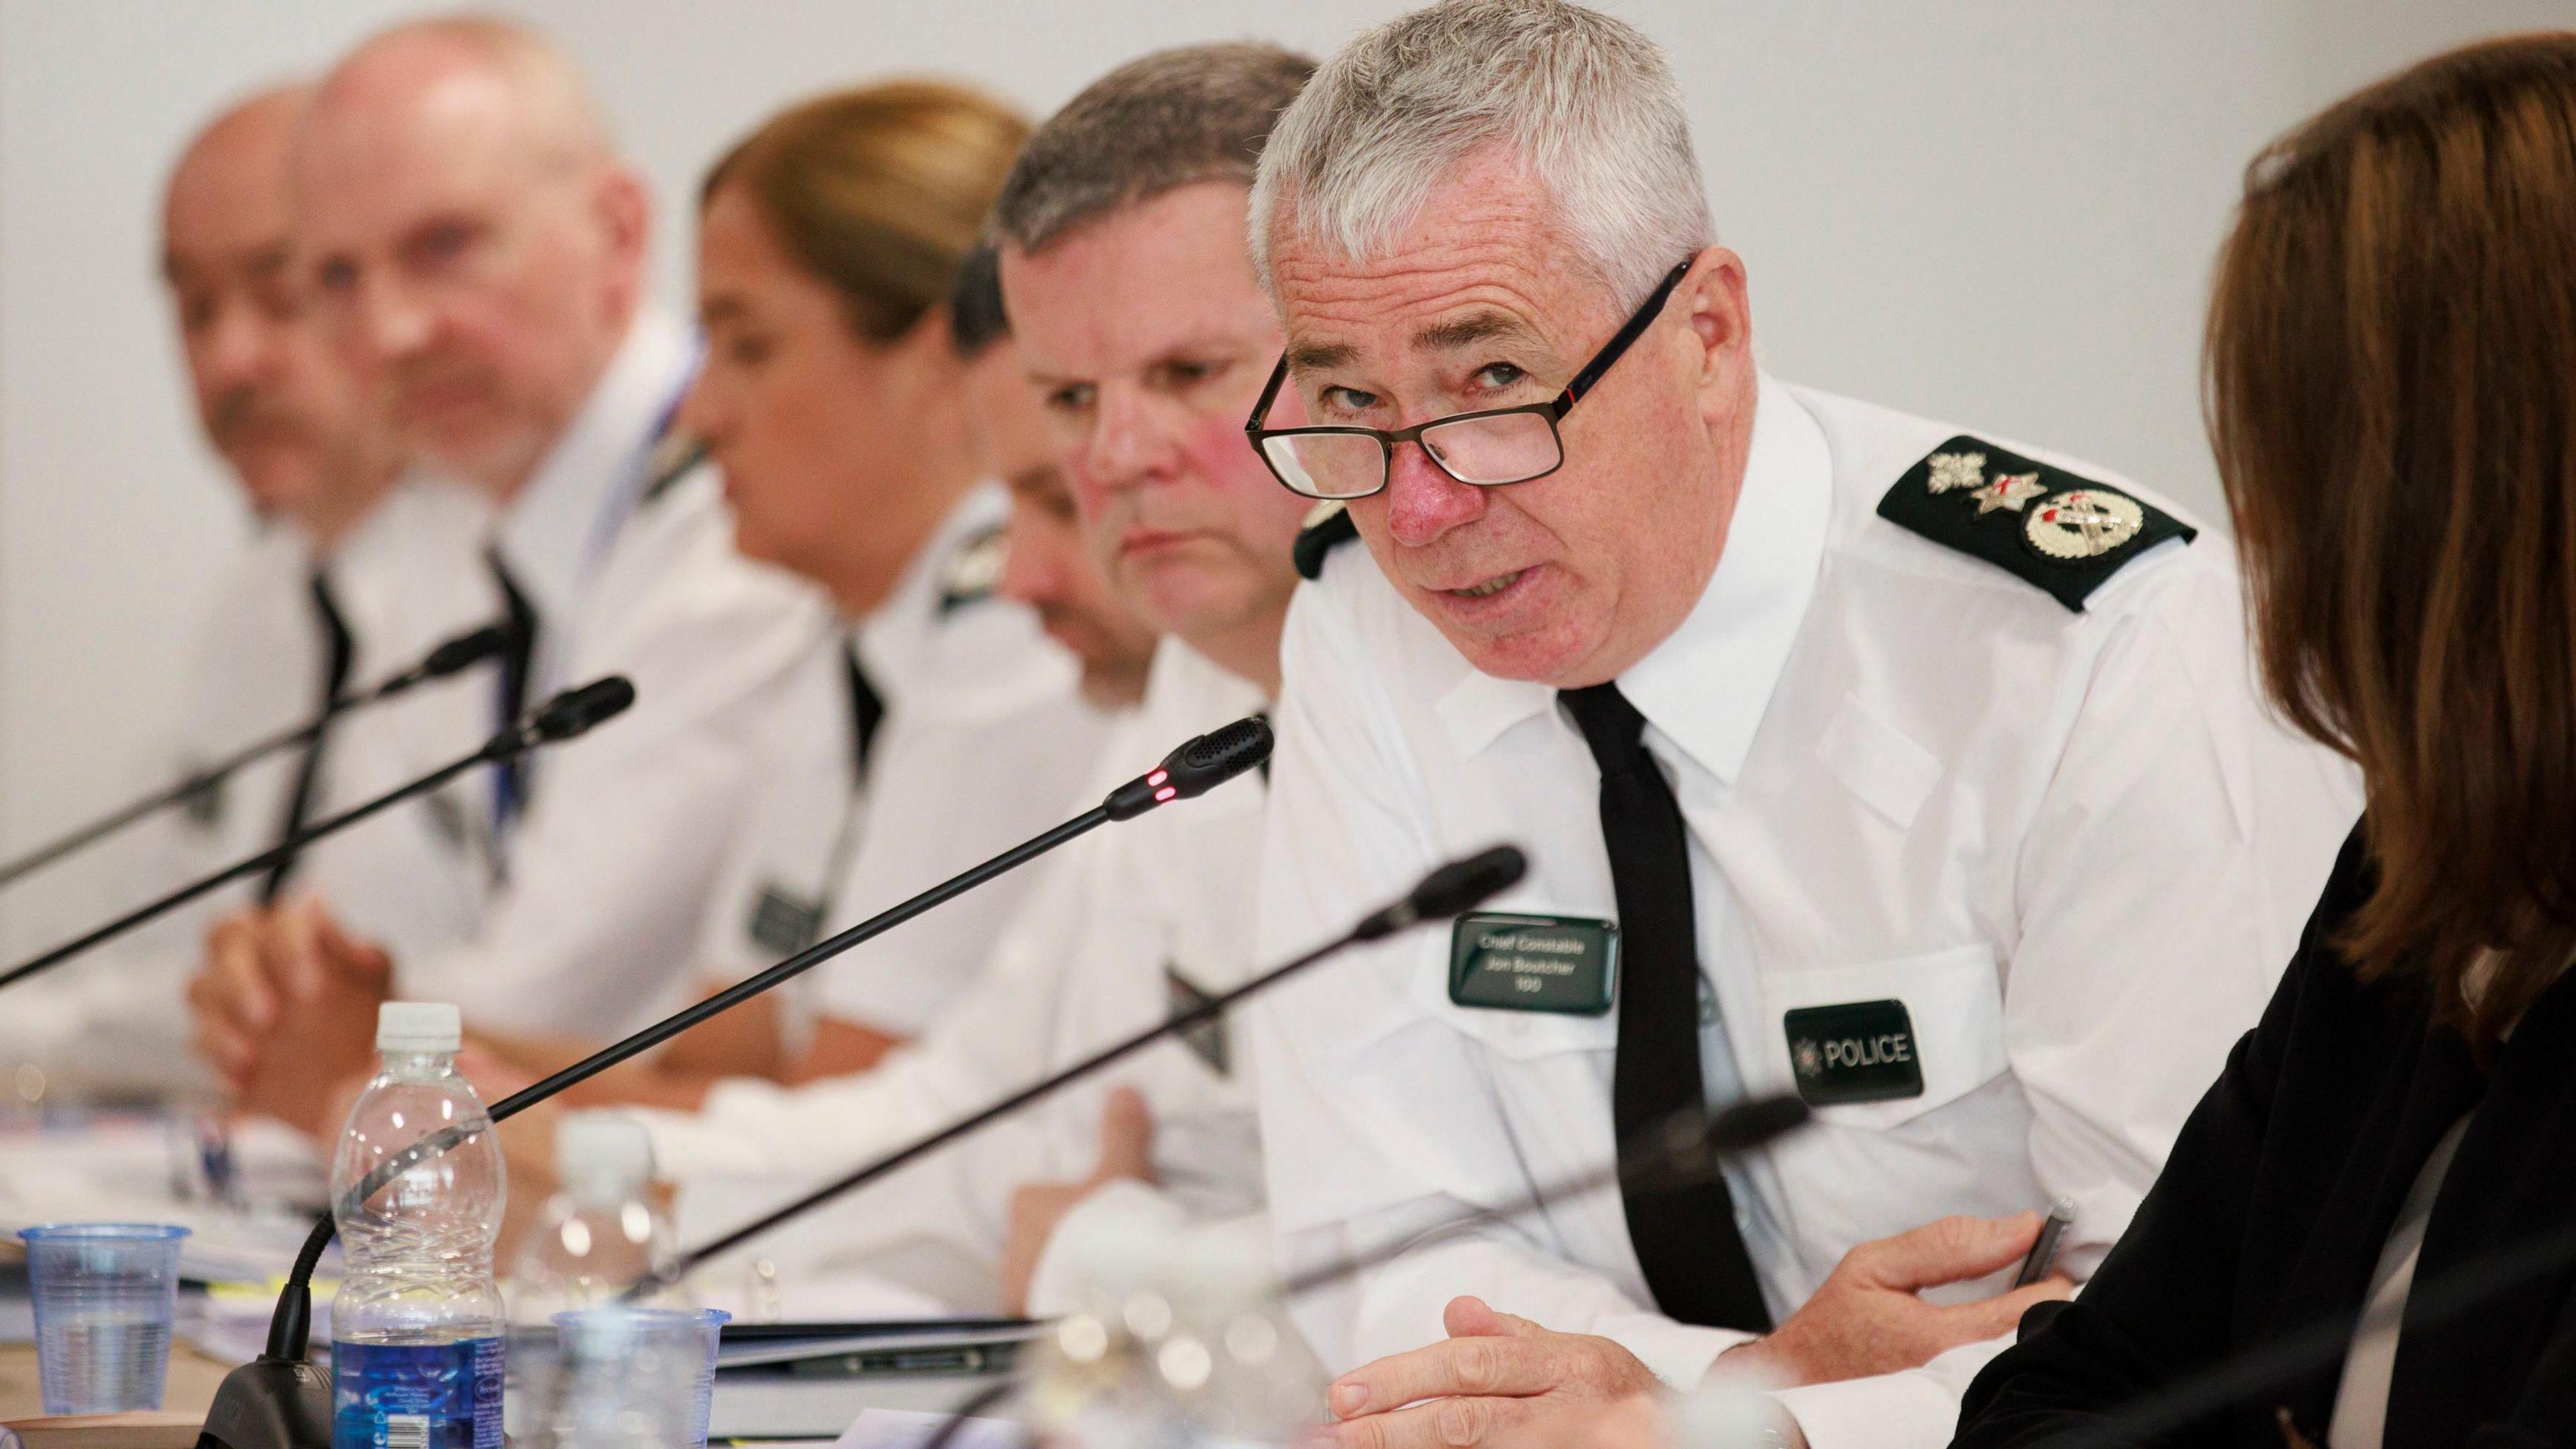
(1857, 756)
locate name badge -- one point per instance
(1207, 1040)
(784, 924)
(1534, 963)
(1862, 1051)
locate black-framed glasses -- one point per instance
(1487, 449)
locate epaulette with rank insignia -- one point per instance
(2065, 533)
(974, 571)
(674, 456)
(1328, 527)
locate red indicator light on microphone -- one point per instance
(1158, 777)
(1165, 795)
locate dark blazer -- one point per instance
(2271, 1214)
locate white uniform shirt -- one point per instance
(405, 579)
(608, 871)
(2072, 844)
(1116, 917)
(985, 735)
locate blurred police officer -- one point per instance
(1136, 315)
(1913, 770)
(838, 401)
(478, 252)
(350, 574)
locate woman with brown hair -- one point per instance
(2392, 395)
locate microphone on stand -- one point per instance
(455, 656)
(570, 713)
(281, 1401)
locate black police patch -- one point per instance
(2065, 533)
(1328, 527)
(782, 923)
(1861, 1051)
(1207, 1040)
(1534, 963)
(203, 802)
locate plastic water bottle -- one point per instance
(601, 1233)
(416, 1332)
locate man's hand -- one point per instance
(235, 999)
(286, 1006)
(1126, 1152)
(1494, 1373)
(1868, 1318)
(1630, 1423)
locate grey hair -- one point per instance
(1163, 121)
(1585, 103)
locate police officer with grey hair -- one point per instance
(1909, 768)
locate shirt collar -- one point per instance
(1708, 683)
(561, 524)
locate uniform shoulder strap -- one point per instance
(973, 570)
(2061, 531)
(1328, 527)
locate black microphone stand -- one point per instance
(459, 653)
(281, 1401)
(566, 715)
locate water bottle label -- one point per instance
(416, 1395)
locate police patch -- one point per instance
(1859, 1052)
(1328, 527)
(2067, 534)
(203, 802)
(784, 923)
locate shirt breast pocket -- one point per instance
(1830, 1033)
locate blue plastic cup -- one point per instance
(631, 1375)
(105, 1296)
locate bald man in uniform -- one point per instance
(350, 574)
(478, 251)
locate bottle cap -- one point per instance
(419, 1026)
(603, 1152)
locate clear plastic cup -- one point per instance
(105, 1295)
(711, 1322)
(633, 1376)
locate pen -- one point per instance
(2043, 1249)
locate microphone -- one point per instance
(452, 657)
(558, 719)
(1447, 891)
(1198, 766)
(1451, 890)
(280, 1398)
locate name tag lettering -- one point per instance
(1534, 963)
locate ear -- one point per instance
(1712, 298)
(623, 210)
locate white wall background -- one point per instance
(1996, 211)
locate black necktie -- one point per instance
(518, 653)
(338, 651)
(867, 710)
(1684, 1232)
